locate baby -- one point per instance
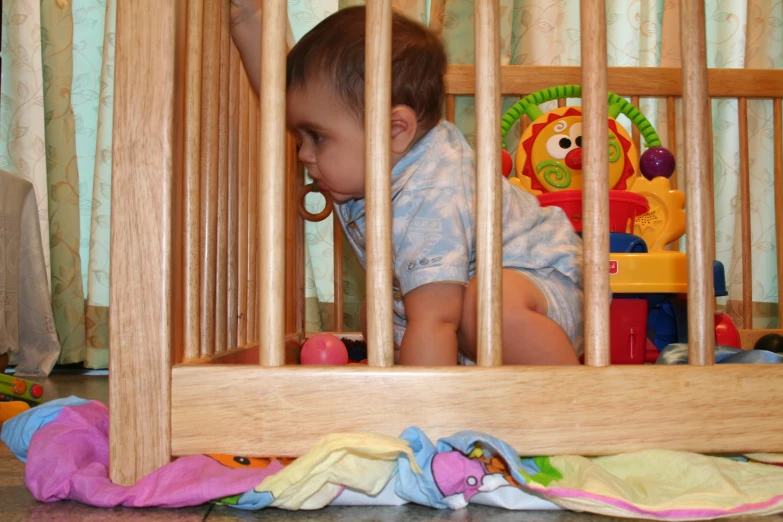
(433, 197)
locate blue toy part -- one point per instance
(719, 279)
(677, 353)
(621, 243)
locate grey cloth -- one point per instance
(27, 329)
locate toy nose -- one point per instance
(573, 159)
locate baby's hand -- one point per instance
(241, 10)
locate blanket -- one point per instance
(65, 447)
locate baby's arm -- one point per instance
(246, 32)
(434, 313)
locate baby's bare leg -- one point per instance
(529, 336)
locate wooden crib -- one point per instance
(207, 260)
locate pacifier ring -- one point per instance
(302, 210)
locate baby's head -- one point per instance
(325, 96)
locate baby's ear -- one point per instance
(403, 128)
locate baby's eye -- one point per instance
(317, 138)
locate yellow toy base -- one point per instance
(662, 272)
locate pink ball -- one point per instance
(324, 349)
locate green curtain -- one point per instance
(742, 33)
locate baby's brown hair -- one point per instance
(333, 51)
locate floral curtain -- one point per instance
(740, 33)
(55, 130)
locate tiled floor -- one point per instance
(17, 505)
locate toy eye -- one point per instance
(558, 146)
(575, 133)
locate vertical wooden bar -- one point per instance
(253, 215)
(777, 136)
(377, 96)
(561, 102)
(596, 182)
(210, 112)
(221, 290)
(744, 182)
(671, 132)
(295, 256)
(233, 198)
(244, 118)
(143, 170)
(699, 231)
(339, 322)
(634, 129)
(192, 158)
(489, 342)
(271, 222)
(451, 108)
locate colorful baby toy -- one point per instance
(324, 349)
(648, 281)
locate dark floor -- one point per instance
(16, 503)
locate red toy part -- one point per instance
(624, 207)
(726, 333)
(324, 349)
(507, 163)
(628, 331)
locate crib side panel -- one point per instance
(141, 237)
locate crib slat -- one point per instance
(450, 108)
(244, 115)
(339, 322)
(233, 198)
(744, 182)
(698, 180)
(380, 334)
(221, 290)
(271, 222)
(595, 190)
(210, 106)
(777, 136)
(192, 157)
(252, 218)
(671, 131)
(489, 339)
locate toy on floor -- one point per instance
(649, 283)
(771, 342)
(324, 349)
(17, 388)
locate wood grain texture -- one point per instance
(748, 337)
(380, 336)
(233, 198)
(339, 321)
(295, 244)
(595, 187)
(244, 130)
(744, 194)
(777, 110)
(141, 284)
(210, 155)
(192, 170)
(271, 220)
(253, 216)
(221, 267)
(489, 202)
(700, 230)
(624, 81)
(601, 411)
(451, 108)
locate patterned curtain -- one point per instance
(741, 33)
(55, 130)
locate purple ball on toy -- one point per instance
(656, 162)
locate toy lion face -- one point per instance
(549, 155)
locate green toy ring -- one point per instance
(617, 105)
